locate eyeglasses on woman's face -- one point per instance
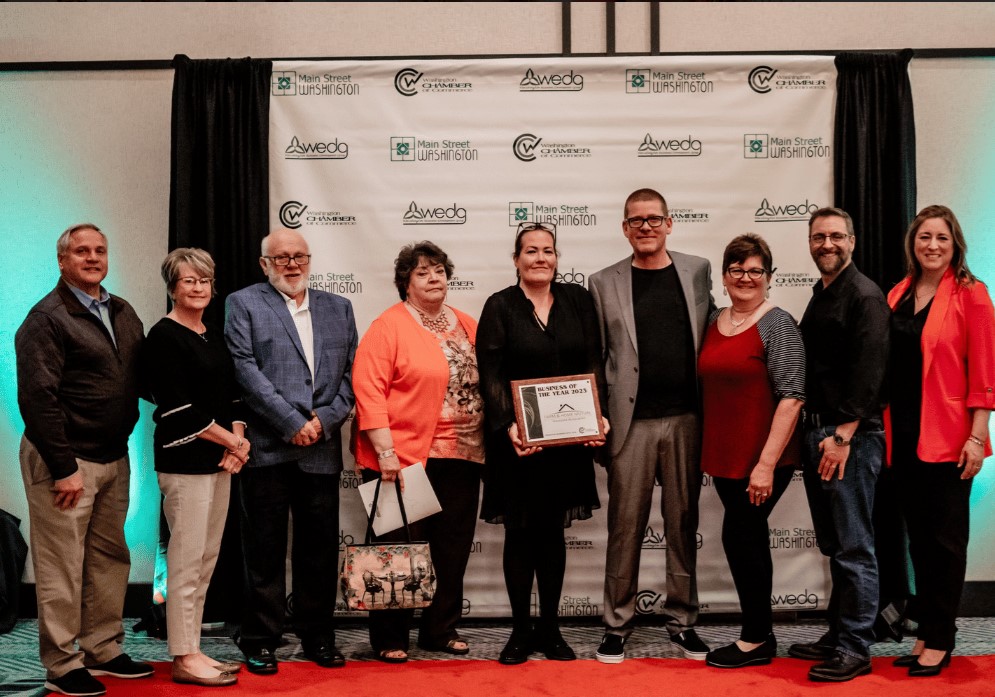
(755, 273)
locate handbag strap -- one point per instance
(373, 511)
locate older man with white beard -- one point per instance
(293, 350)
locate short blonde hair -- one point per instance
(198, 259)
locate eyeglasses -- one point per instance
(190, 281)
(738, 272)
(284, 259)
(835, 237)
(653, 221)
(529, 227)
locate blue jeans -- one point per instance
(841, 513)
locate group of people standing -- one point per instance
(742, 394)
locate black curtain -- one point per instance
(875, 180)
(219, 201)
(875, 158)
(219, 179)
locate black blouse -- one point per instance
(192, 381)
(905, 377)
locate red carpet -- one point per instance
(971, 676)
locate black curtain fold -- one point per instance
(219, 179)
(875, 158)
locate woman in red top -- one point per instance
(418, 402)
(752, 370)
(942, 392)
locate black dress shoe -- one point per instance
(518, 649)
(324, 655)
(839, 668)
(261, 662)
(550, 642)
(918, 670)
(817, 650)
(906, 661)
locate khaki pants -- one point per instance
(196, 506)
(81, 562)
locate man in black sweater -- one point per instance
(77, 388)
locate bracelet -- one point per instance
(974, 439)
(389, 452)
(237, 447)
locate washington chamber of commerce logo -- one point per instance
(410, 82)
(763, 146)
(460, 284)
(434, 215)
(290, 83)
(574, 606)
(649, 602)
(413, 149)
(316, 150)
(794, 279)
(644, 81)
(561, 214)
(528, 147)
(779, 212)
(575, 544)
(763, 79)
(294, 214)
(684, 216)
(551, 82)
(688, 146)
(340, 284)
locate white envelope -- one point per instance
(419, 499)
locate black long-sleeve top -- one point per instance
(845, 329)
(192, 380)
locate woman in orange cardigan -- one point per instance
(418, 403)
(942, 393)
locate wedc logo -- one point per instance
(453, 215)
(791, 212)
(563, 82)
(290, 214)
(524, 147)
(672, 147)
(406, 81)
(760, 78)
(331, 150)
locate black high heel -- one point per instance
(917, 670)
(906, 661)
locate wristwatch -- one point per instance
(838, 439)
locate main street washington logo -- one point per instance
(410, 82)
(763, 78)
(288, 83)
(643, 81)
(437, 215)
(763, 146)
(410, 149)
(294, 214)
(669, 147)
(561, 214)
(527, 147)
(551, 82)
(318, 150)
(339, 283)
(784, 213)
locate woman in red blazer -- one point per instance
(942, 393)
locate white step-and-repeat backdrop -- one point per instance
(366, 156)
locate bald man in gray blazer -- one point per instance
(652, 308)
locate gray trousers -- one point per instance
(665, 450)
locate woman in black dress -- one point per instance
(535, 329)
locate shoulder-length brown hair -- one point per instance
(959, 261)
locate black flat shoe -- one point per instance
(554, 647)
(906, 661)
(518, 649)
(261, 662)
(918, 670)
(731, 656)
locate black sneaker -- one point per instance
(732, 656)
(77, 682)
(121, 666)
(689, 643)
(612, 649)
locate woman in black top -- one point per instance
(199, 444)
(535, 329)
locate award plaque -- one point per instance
(557, 411)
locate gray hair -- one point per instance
(65, 239)
(198, 259)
